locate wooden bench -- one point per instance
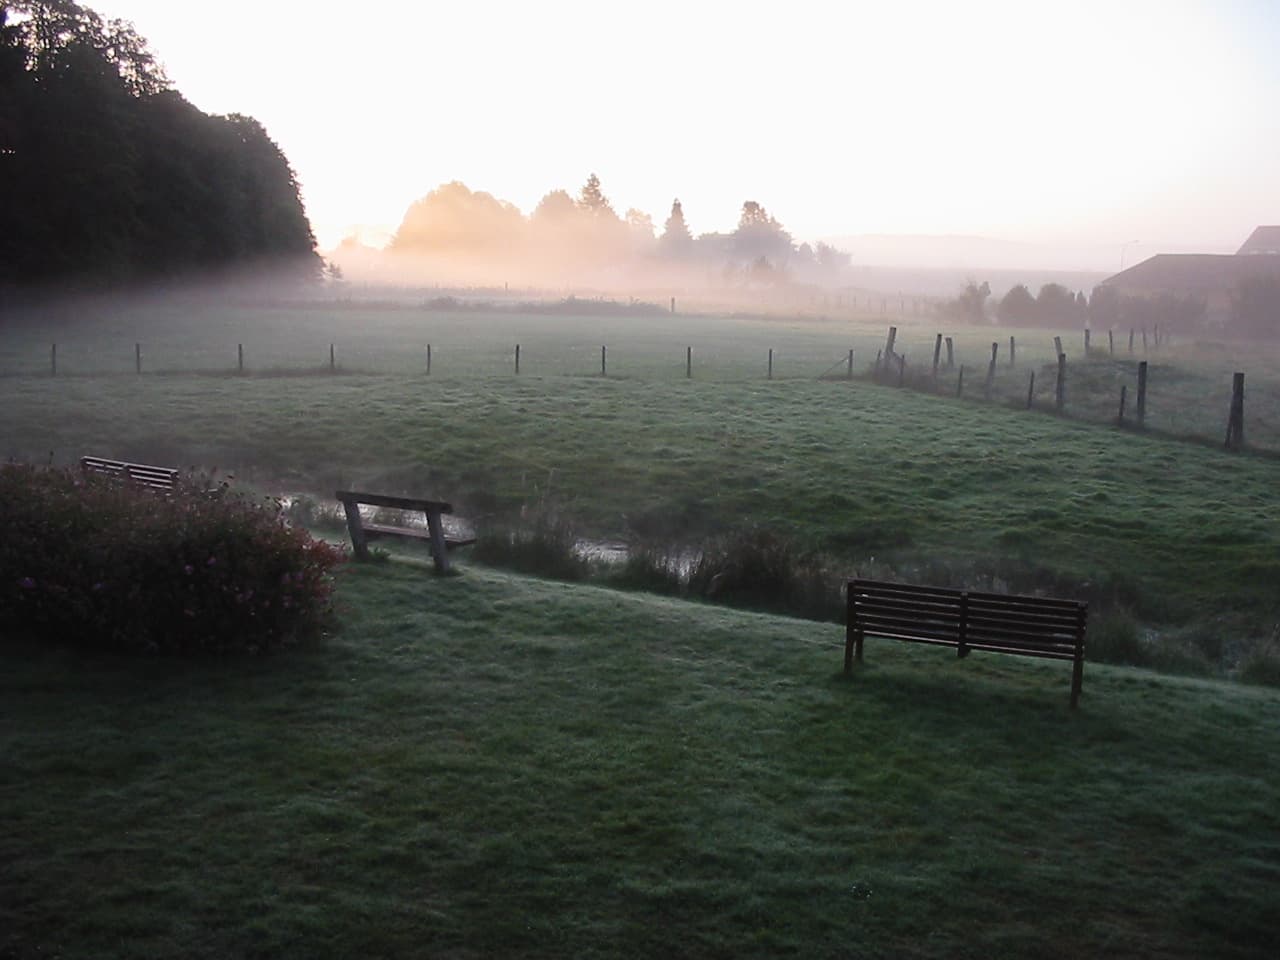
(157, 478)
(362, 532)
(967, 620)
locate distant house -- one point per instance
(1211, 279)
(1264, 241)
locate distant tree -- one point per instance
(1017, 306)
(640, 223)
(593, 200)
(556, 205)
(1056, 306)
(830, 260)
(676, 242)
(760, 235)
(1255, 307)
(971, 304)
(452, 220)
(640, 231)
(1104, 307)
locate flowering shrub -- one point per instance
(112, 566)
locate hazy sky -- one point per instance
(1080, 124)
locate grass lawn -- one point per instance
(487, 765)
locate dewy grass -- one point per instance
(487, 765)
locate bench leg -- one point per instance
(359, 543)
(852, 648)
(1077, 680)
(439, 553)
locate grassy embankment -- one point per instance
(878, 480)
(487, 765)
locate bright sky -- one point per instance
(1085, 124)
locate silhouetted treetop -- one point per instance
(109, 175)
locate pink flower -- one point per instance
(26, 583)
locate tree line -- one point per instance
(581, 236)
(1253, 308)
(108, 175)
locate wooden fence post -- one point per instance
(332, 362)
(137, 357)
(53, 359)
(603, 368)
(1120, 417)
(771, 363)
(849, 375)
(1131, 339)
(937, 353)
(1142, 393)
(1060, 398)
(240, 358)
(673, 305)
(1144, 341)
(1012, 350)
(951, 357)
(991, 372)
(888, 344)
(1031, 389)
(1235, 418)
(1086, 343)
(688, 363)
(902, 368)
(1057, 346)
(960, 383)
(1156, 333)
(879, 359)
(428, 359)
(517, 359)
(1111, 342)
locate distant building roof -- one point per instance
(1264, 241)
(1198, 273)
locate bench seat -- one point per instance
(373, 531)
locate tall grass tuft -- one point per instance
(1261, 665)
(758, 569)
(544, 545)
(1115, 638)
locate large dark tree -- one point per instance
(108, 175)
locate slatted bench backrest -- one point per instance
(968, 620)
(157, 478)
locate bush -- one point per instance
(112, 566)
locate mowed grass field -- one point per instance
(487, 765)
(882, 480)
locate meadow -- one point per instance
(489, 765)
(493, 765)
(1178, 537)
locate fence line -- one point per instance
(889, 363)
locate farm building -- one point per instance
(1212, 279)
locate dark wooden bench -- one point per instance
(157, 478)
(362, 532)
(967, 620)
